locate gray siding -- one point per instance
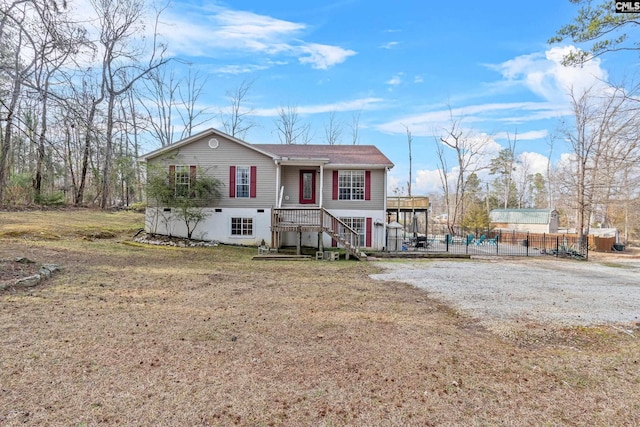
(377, 193)
(291, 183)
(217, 162)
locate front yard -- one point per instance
(144, 335)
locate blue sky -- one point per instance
(398, 64)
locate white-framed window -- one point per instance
(243, 181)
(358, 225)
(241, 226)
(182, 180)
(350, 185)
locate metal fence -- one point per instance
(501, 244)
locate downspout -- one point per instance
(321, 184)
(385, 237)
(278, 172)
(386, 173)
(275, 235)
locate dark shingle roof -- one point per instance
(337, 154)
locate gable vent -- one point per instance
(213, 143)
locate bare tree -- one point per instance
(120, 22)
(355, 127)
(443, 172)
(524, 183)
(289, 128)
(409, 141)
(58, 41)
(165, 96)
(190, 92)
(16, 68)
(604, 146)
(236, 118)
(467, 150)
(160, 87)
(333, 129)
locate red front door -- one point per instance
(307, 187)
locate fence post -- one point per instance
(586, 255)
(557, 246)
(527, 244)
(446, 241)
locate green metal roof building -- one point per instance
(531, 220)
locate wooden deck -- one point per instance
(317, 220)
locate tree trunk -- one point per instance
(104, 201)
(5, 144)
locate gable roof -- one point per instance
(335, 155)
(208, 132)
(521, 216)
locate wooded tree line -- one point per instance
(595, 184)
(77, 97)
(68, 112)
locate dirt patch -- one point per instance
(12, 270)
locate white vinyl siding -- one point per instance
(215, 163)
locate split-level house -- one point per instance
(283, 195)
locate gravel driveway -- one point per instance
(542, 290)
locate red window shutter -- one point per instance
(368, 233)
(367, 185)
(253, 181)
(172, 176)
(335, 185)
(232, 181)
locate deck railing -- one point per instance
(316, 219)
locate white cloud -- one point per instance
(524, 136)
(389, 45)
(395, 80)
(534, 162)
(427, 181)
(394, 183)
(322, 56)
(418, 79)
(338, 107)
(215, 31)
(544, 75)
(426, 124)
(241, 69)
(247, 30)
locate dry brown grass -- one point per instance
(129, 335)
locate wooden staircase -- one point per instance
(316, 220)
